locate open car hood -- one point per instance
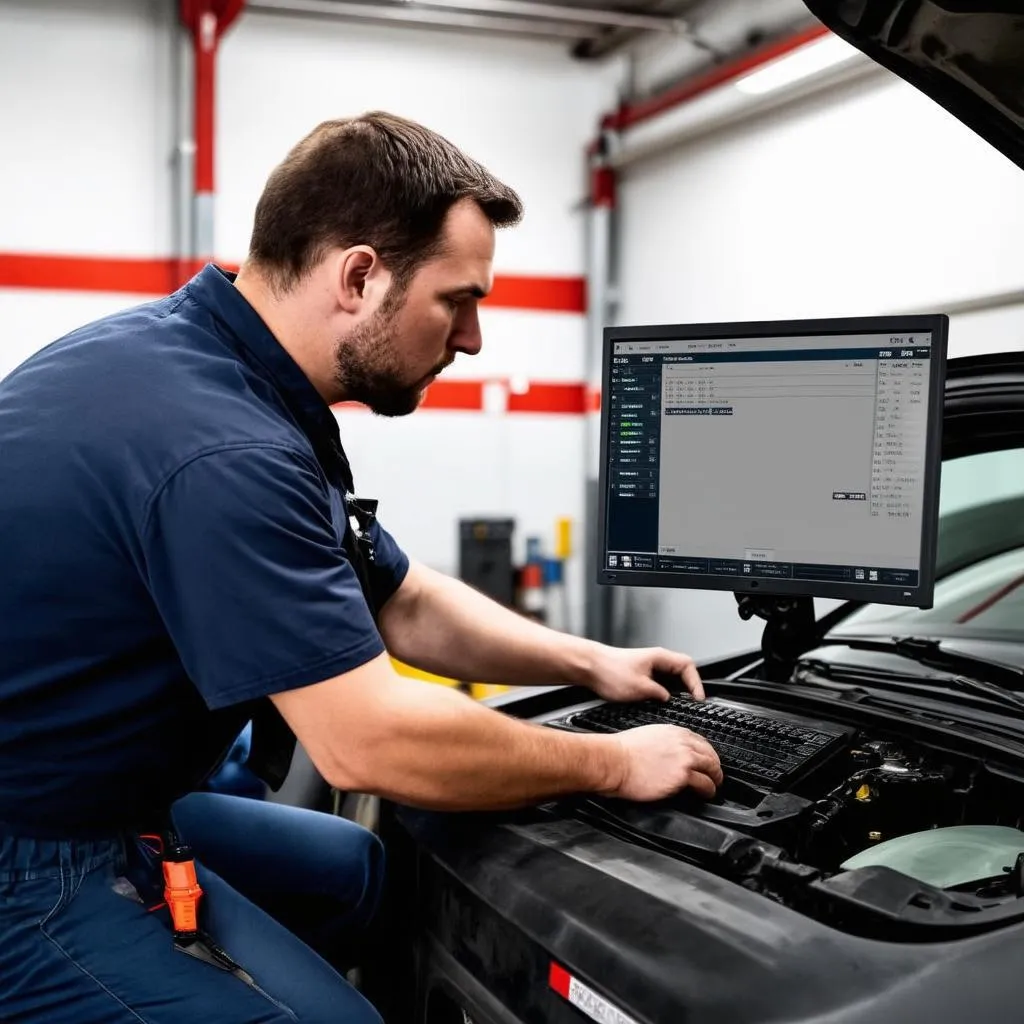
(967, 55)
(983, 404)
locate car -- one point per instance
(885, 885)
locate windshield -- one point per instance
(980, 587)
(978, 480)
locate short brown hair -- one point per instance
(377, 180)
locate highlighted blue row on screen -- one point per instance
(697, 410)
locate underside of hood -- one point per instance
(967, 55)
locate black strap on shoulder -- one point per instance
(273, 742)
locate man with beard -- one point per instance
(184, 551)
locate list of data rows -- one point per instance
(634, 440)
(900, 436)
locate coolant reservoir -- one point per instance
(946, 857)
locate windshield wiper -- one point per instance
(969, 673)
(852, 676)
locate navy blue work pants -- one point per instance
(78, 947)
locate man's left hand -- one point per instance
(621, 674)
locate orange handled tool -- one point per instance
(181, 889)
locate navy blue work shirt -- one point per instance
(171, 550)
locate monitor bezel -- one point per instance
(921, 596)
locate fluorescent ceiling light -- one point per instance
(803, 63)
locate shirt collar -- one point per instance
(214, 288)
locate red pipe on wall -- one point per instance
(630, 114)
(204, 35)
(206, 21)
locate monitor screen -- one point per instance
(797, 457)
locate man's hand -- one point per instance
(626, 674)
(663, 759)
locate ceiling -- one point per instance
(589, 28)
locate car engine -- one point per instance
(896, 835)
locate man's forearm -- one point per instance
(441, 625)
(373, 731)
(432, 747)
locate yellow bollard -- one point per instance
(563, 538)
(479, 691)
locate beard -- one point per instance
(368, 367)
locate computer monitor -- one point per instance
(777, 458)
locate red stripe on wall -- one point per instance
(160, 276)
(88, 274)
(557, 294)
(467, 395)
(541, 397)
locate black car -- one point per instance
(885, 885)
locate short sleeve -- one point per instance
(246, 568)
(390, 565)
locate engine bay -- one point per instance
(897, 835)
(891, 790)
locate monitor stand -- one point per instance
(790, 630)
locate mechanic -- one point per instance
(184, 550)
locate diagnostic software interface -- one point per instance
(796, 458)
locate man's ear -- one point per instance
(357, 272)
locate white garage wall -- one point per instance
(85, 149)
(871, 199)
(525, 111)
(85, 126)
(31, 318)
(868, 200)
(87, 170)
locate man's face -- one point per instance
(388, 361)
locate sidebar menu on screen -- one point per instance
(634, 451)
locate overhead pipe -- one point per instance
(630, 114)
(206, 22)
(975, 304)
(407, 14)
(561, 12)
